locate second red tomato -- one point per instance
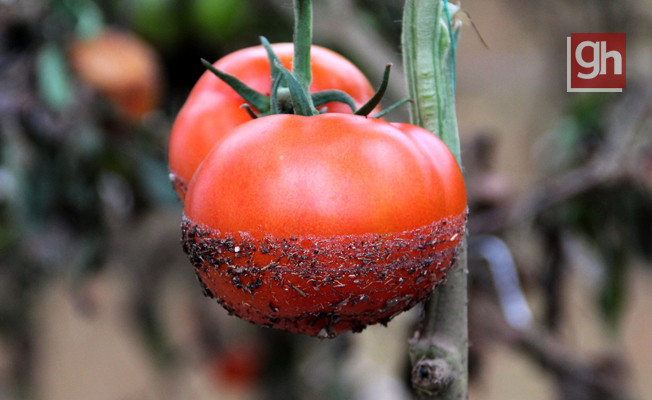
(213, 108)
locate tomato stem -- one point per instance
(301, 100)
(301, 66)
(290, 91)
(429, 60)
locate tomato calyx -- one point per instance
(289, 97)
(290, 92)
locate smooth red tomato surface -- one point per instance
(326, 175)
(213, 108)
(324, 224)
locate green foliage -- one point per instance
(617, 219)
(70, 167)
(53, 77)
(218, 19)
(157, 20)
(615, 215)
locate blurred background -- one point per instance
(97, 300)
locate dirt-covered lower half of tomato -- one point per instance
(321, 286)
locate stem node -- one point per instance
(432, 376)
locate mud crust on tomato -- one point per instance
(322, 286)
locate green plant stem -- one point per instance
(301, 67)
(439, 348)
(301, 63)
(429, 60)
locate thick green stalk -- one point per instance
(439, 348)
(429, 60)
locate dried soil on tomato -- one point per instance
(317, 285)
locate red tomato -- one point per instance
(213, 108)
(122, 67)
(324, 224)
(239, 366)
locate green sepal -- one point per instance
(390, 108)
(256, 99)
(274, 96)
(301, 101)
(327, 96)
(249, 110)
(273, 58)
(375, 100)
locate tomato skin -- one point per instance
(332, 174)
(239, 365)
(324, 224)
(213, 108)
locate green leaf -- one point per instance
(53, 77)
(613, 294)
(90, 20)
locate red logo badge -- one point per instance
(596, 62)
